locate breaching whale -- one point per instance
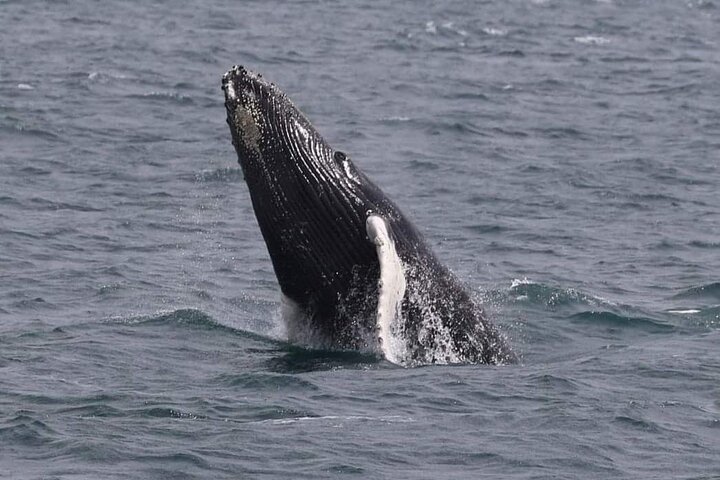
(353, 270)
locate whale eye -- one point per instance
(339, 156)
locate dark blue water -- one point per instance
(562, 157)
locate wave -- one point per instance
(286, 357)
(299, 360)
(341, 418)
(162, 96)
(574, 309)
(98, 410)
(700, 304)
(24, 429)
(702, 293)
(613, 320)
(265, 381)
(165, 412)
(707, 317)
(702, 244)
(191, 318)
(592, 40)
(524, 290)
(184, 316)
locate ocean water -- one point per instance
(562, 158)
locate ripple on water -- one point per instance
(613, 320)
(225, 174)
(24, 429)
(299, 360)
(266, 381)
(702, 293)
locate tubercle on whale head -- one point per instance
(238, 77)
(262, 120)
(247, 90)
(271, 134)
(244, 113)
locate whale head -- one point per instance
(310, 201)
(268, 131)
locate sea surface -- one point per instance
(562, 157)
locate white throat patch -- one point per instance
(391, 289)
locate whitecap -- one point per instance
(592, 40)
(516, 282)
(396, 119)
(499, 32)
(382, 419)
(105, 76)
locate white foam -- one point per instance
(324, 418)
(685, 312)
(495, 31)
(517, 282)
(391, 289)
(104, 76)
(298, 328)
(592, 40)
(25, 86)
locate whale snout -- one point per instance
(248, 98)
(263, 121)
(234, 82)
(242, 86)
(246, 113)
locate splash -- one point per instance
(298, 327)
(434, 340)
(401, 316)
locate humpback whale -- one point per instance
(353, 270)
